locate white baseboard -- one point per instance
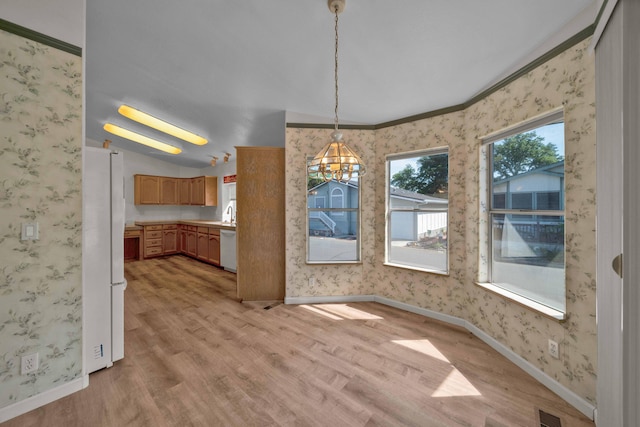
(329, 299)
(42, 399)
(582, 405)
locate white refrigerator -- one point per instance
(103, 258)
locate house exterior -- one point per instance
(410, 226)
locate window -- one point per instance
(418, 210)
(526, 215)
(334, 231)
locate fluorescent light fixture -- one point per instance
(161, 125)
(141, 139)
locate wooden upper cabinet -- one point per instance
(146, 190)
(185, 191)
(169, 191)
(204, 191)
(163, 190)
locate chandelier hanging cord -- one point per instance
(335, 74)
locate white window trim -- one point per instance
(486, 141)
(401, 156)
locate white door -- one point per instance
(618, 223)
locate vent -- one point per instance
(548, 420)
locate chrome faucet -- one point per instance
(230, 213)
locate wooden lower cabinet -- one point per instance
(214, 246)
(192, 241)
(182, 239)
(152, 240)
(169, 239)
(203, 243)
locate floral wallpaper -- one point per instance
(330, 279)
(40, 181)
(567, 81)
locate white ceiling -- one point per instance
(233, 70)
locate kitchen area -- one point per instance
(176, 210)
(209, 240)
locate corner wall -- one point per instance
(565, 80)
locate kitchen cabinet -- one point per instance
(152, 240)
(203, 244)
(185, 191)
(192, 241)
(260, 230)
(182, 239)
(132, 244)
(204, 191)
(164, 190)
(169, 239)
(214, 246)
(146, 190)
(169, 190)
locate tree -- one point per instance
(432, 176)
(522, 153)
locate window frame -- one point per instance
(487, 147)
(388, 210)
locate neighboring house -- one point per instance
(412, 226)
(418, 223)
(537, 189)
(333, 195)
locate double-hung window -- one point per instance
(526, 213)
(333, 218)
(418, 210)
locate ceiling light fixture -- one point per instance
(214, 159)
(161, 125)
(336, 160)
(141, 139)
(226, 157)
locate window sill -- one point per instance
(525, 302)
(424, 270)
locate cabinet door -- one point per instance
(192, 243)
(169, 241)
(185, 191)
(168, 190)
(214, 247)
(197, 191)
(203, 246)
(182, 240)
(146, 190)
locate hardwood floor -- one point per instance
(194, 356)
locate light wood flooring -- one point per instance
(196, 357)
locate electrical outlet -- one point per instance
(554, 349)
(29, 363)
(312, 281)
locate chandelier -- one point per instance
(336, 160)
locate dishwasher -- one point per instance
(228, 249)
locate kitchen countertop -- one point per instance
(196, 222)
(132, 227)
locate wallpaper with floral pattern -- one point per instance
(567, 81)
(40, 181)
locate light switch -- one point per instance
(29, 231)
